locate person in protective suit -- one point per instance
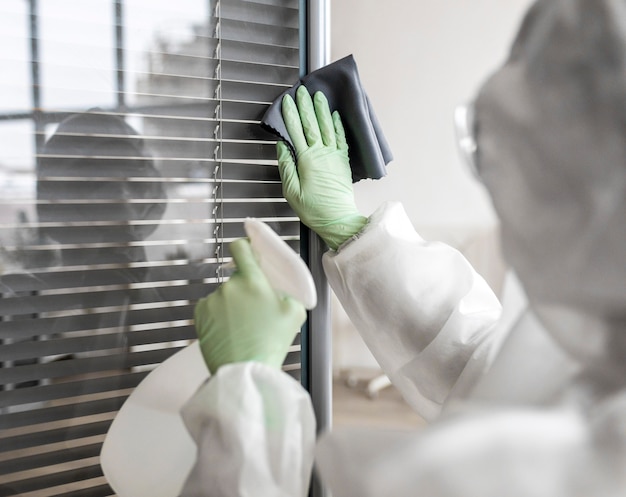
(527, 398)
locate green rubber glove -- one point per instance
(245, 319)
(319, 187)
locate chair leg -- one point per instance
(377, 384)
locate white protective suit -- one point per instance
(441, 336)
(527, 399)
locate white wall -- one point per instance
(418, 59)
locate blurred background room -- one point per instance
(417, 62)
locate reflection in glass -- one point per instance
(130, 153)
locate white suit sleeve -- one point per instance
(420, 307)
(517, 453)
(254, 429)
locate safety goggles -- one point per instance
(465, 130)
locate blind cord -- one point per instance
(218, 217)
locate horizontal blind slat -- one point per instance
(255, 12)
(59, 413)
(247, 51)
(76, 211)
(189, 131)
(113, 234)
(39, 281)
(42, 281)
(72, 367)
(41, 438)
(95, 342)
(56, 391)
(72, 303)
(236, 30)
(49, 458)
(196, 200)
(23, 329)
(64, 179)
(233, 93)
(103, 320)
(52, 480)
(199, 78)
(292, 358)
(250, 150)
(100, 490)
(102, 284)
(153, 110)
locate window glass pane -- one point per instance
(130, 154)
(156, 45)
(14, 57)
(77, 53)
(17, 191)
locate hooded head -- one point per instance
(551, 134)
(99, 161)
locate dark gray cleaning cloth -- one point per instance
(340, 82)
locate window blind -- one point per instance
(130, 154)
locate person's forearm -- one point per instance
(254, 428)
(419, 306)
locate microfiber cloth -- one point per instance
(340, 82)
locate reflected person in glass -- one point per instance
(525, 397)
(97, 203)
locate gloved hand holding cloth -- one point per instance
(318, 184)
(245, 319)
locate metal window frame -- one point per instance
(317, 338)
(319, 343)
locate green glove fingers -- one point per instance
(288, 171)
(319, 186)
(293, 123)
(246, 263)
(308, 117)
(340, 133)
(325, 120)
(245, 319)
